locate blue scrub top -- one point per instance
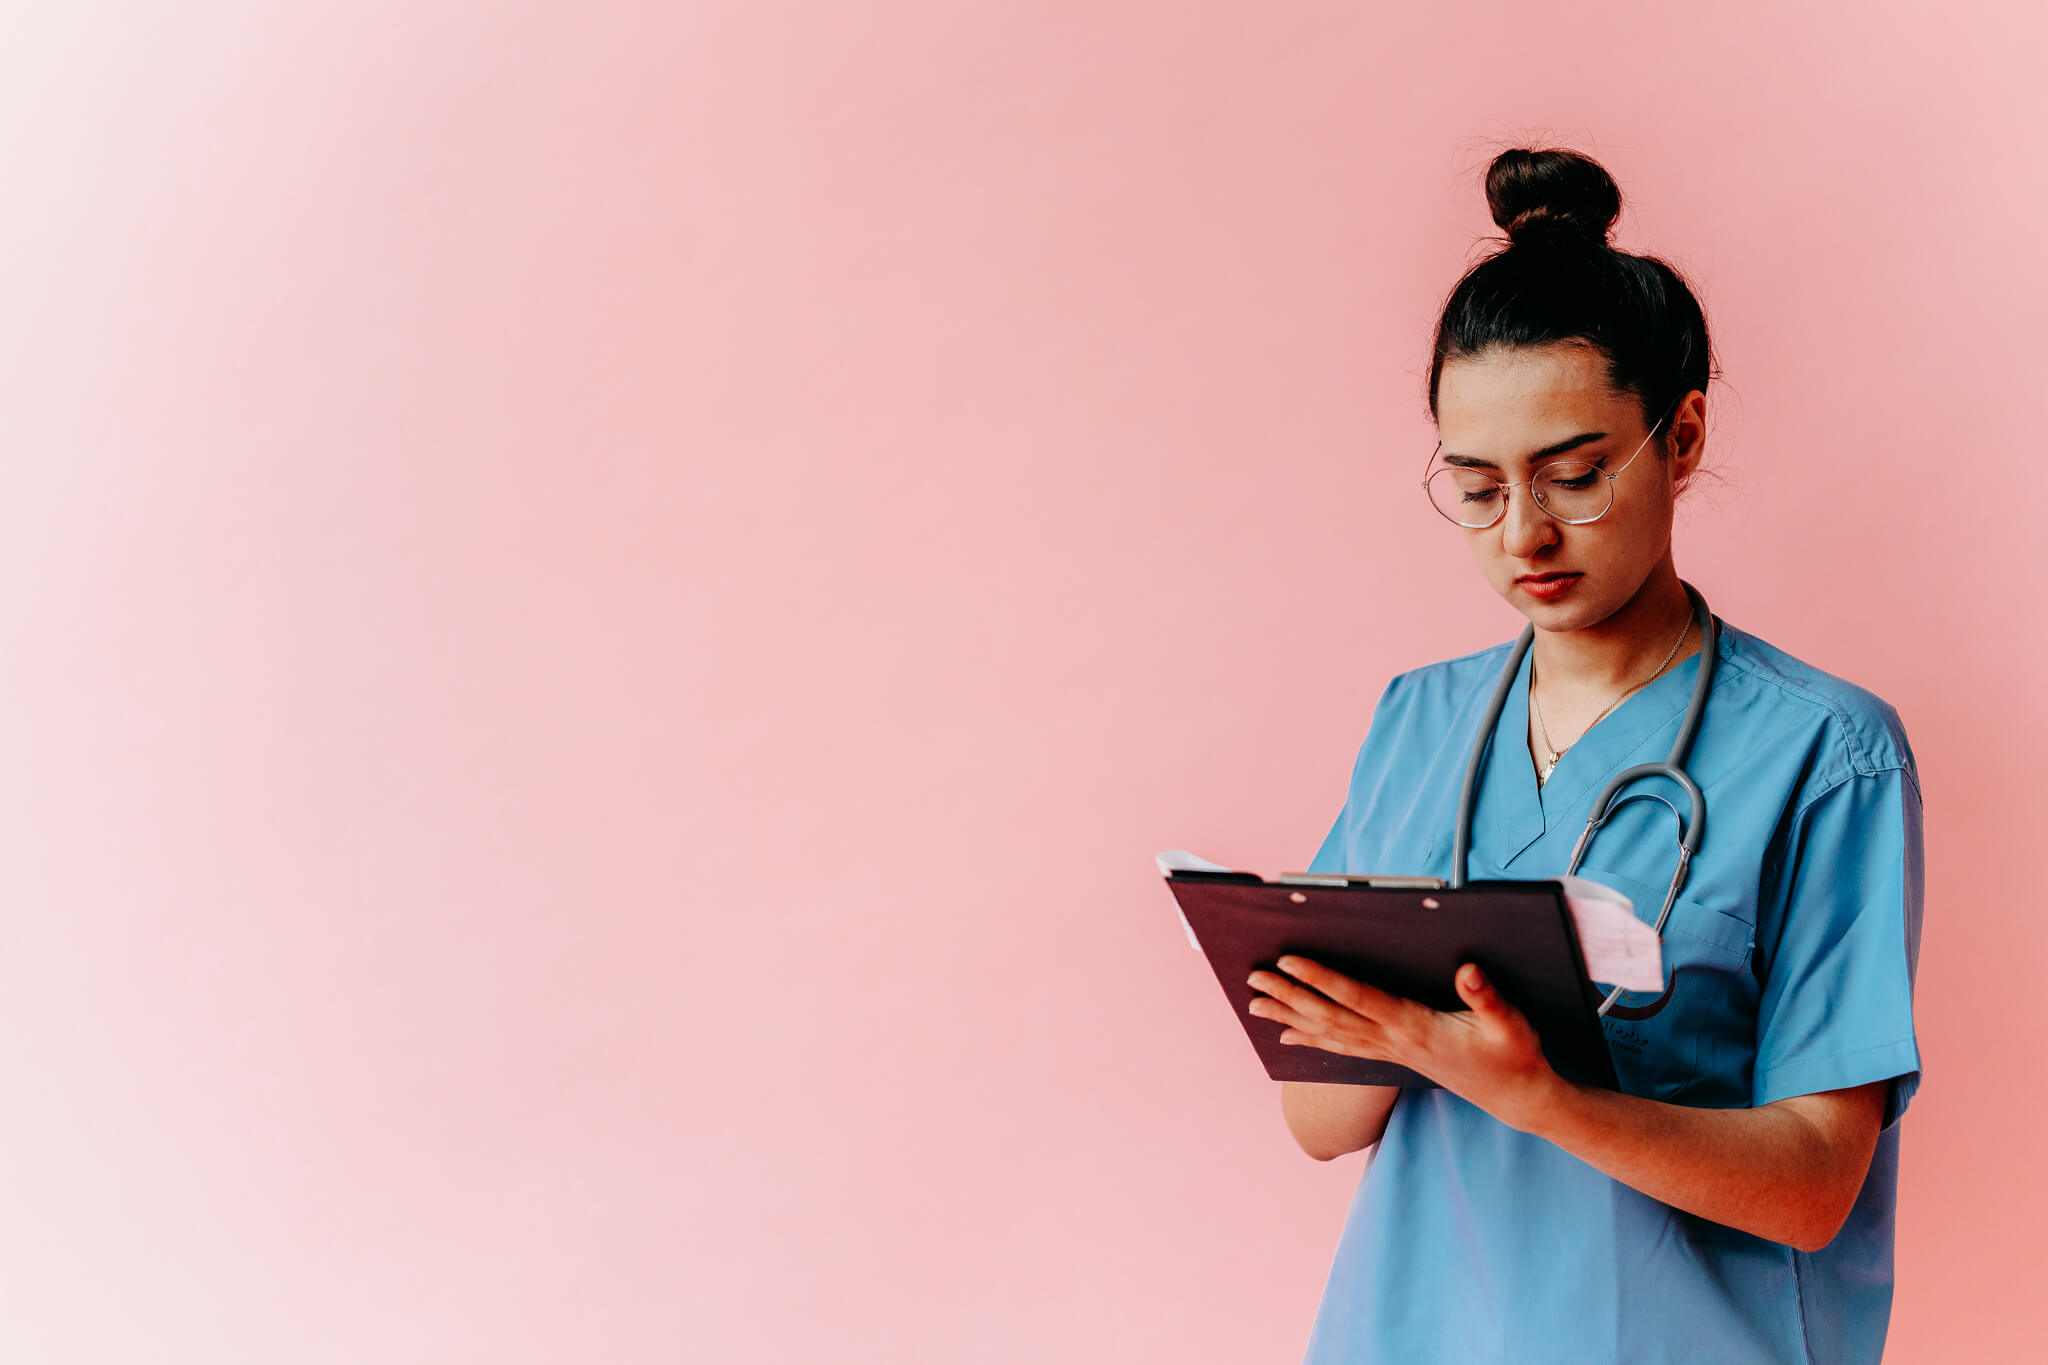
(1791, 955)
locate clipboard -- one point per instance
(1406, 936)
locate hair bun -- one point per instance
(1545, 194)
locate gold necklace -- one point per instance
(1555, 753)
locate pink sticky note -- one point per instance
(1620, 950)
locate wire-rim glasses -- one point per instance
(1567, 490)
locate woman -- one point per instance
(1734, 1201)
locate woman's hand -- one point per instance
(1488, 1054)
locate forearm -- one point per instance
(1328, 1120)
(1767, 1171)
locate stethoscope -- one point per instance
(1605, 805)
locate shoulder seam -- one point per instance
(1846, 778)
(1858, 759)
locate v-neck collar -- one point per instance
(1521, 810)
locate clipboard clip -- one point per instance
(1337, 879)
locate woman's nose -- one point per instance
(1525, 527)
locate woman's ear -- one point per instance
(1687, 438)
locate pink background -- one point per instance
(605, 608)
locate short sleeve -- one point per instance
(1330, 858)
(1371, 755)
(1838, 945)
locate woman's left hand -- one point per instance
(1488, 1054)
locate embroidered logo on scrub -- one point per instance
(1628, 1039)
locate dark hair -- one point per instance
(1557, 280)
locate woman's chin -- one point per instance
(1556, 617)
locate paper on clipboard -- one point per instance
(1180, 860)
(1619, 949)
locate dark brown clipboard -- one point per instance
(1405, 939)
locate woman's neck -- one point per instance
(1623, 649)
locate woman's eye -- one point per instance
(1574, 485)
(1479, 495)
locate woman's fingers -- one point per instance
(1366, 1001)
(1267, 1008)
(1301, 1030)
(1304, 1003)
(1311, 1018)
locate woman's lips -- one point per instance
(1548, 587)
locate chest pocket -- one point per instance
(1698, 1037)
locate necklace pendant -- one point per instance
(1548, 769)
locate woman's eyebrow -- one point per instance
(1560, 448)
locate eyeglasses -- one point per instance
(1567, 490)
